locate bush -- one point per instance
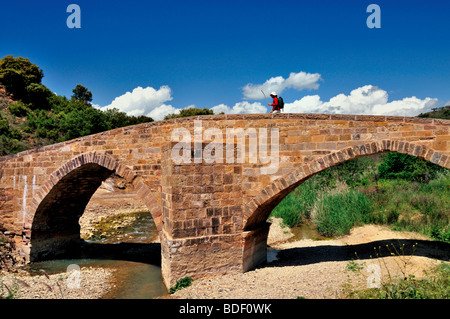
(42, 122)
(182, 283)
(337, 213)
(117, 119)
(299, 203)
(414, 206)
(18, 109)
(38, 96)
(189, 112)
(4, 127)
(16, 74)
(435, 286)
(403, 166)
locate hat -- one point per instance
(273, 93)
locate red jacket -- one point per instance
(275, 104)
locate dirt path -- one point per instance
(320, 269)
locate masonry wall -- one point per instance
(202, 218)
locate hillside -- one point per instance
(31, 115)
(439, 113)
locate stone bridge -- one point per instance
(209, 182)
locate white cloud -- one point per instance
(145, 101)
(299, 81)
(367, 100)
(240, 108)
(161, 111)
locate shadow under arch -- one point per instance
(299, 256)
(60, 202)
(257, 210)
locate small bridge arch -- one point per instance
(58, 205)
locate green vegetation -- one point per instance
(182, 283)
(32, 116)
(338, 212)
(438, 113)
(402, 166)
(400, 283)
(189, 112)
(398, 190)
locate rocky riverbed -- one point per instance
(85, 283)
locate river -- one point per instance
(135, 257)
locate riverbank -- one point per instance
(321, 269)
(87, 283)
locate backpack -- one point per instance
(280, 103)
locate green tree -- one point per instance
(18, 108)
(16, 74)
(38, 96)
(118, 119)
(79, 123)
(81, 93)
(403, 166)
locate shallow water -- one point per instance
(301, 232)
(129, 252)
(306, 231)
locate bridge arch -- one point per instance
(61, 200)
(259, 208)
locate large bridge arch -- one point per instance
(257, 211)
(57, 206)
(259, 208)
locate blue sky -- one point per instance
(320, 55)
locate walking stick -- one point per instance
(265, 96)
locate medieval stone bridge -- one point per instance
(209, 196)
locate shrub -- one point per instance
(189, 112)
(182, 283)
(403, 166)
(16, 74)
(337, 213)
(18, 109)
(299, 203)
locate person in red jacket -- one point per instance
(275, 106)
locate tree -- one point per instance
(79, 123)
(403, 166)
(118, 119)
(81, 93)
(38, 96)
(16, 74)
